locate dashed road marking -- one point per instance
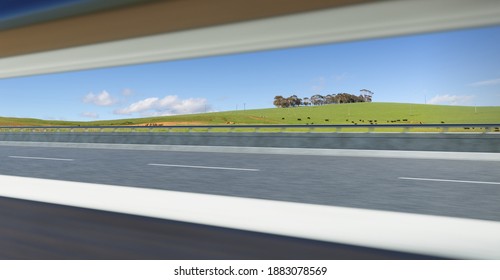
(42, 158)
(448, 180)
(204, 167)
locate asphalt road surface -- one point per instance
(453, 188)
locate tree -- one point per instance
(285, 102)
(317, 99)
(342, 98)
(294, 100)
(278, 101)
(330, 99)
(367, 95)
(306, 101)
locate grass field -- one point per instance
(360, 113)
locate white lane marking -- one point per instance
(447, 180)
(203, 167)
(414, 233)
(42, 158)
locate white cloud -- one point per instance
(127, 92)
(140, 106)
(169, 105)
(90, 115)
(486, 83)
(451, 99)
(102, 99)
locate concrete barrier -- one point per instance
(458, 142)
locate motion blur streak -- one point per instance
(34, 230)
(413, 233)
(373, 20)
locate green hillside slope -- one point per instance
(381, 113)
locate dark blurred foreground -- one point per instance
(34, 230)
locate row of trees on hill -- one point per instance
(318, 99)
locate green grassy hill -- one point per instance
(359, 113)
(33, 122)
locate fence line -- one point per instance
(478, 128)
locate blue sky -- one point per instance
(454, 68)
